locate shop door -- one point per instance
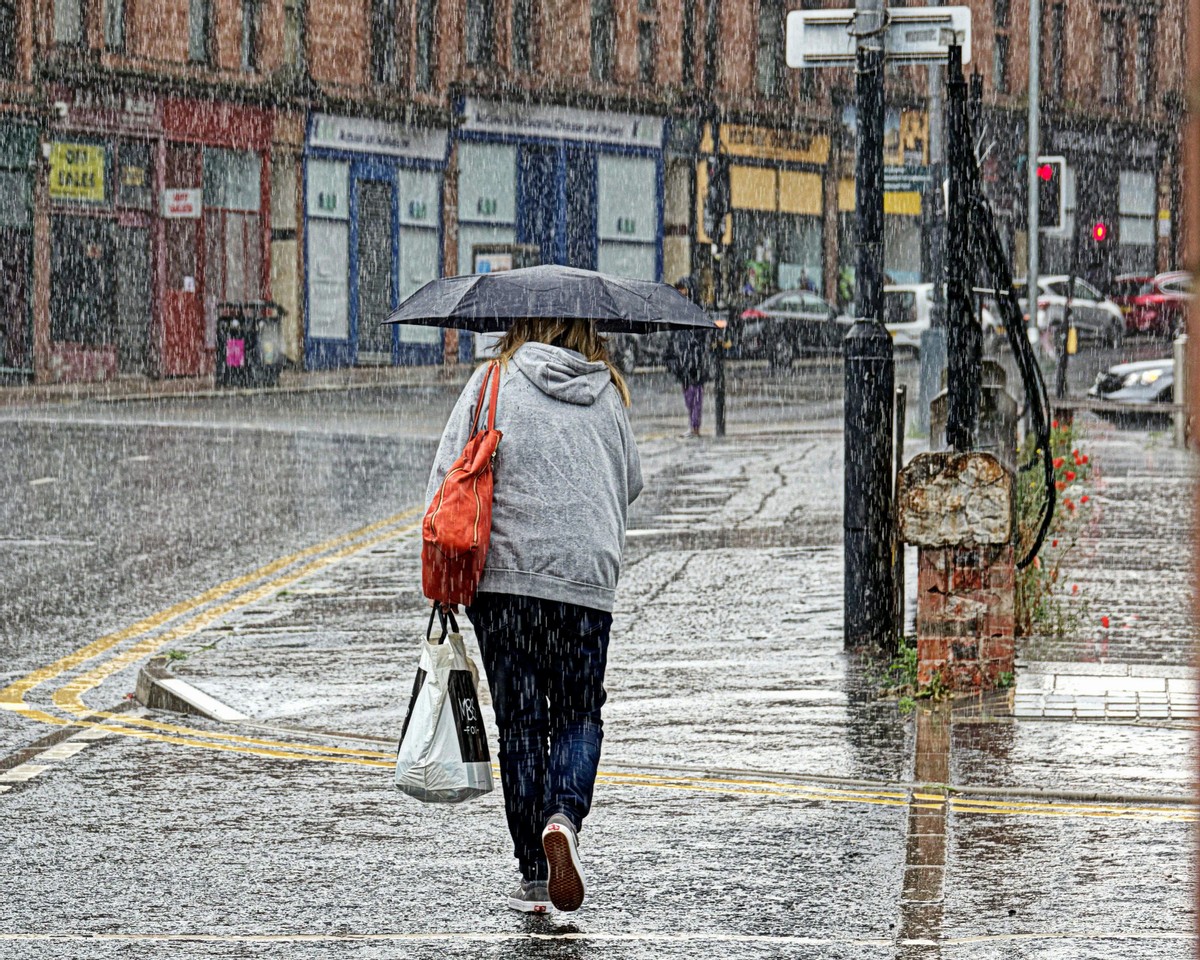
(537, 197)
(181, 351)
(15, 353)
(375, 274)
(133, 298)
(581, 209)
(82, 285)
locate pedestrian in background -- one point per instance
(689, 360)
(565, 473)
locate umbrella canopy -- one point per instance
(489, 302)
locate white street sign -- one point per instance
(181, 204)
(915, 35)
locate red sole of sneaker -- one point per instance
(566, 885)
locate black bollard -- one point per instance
(867, 519)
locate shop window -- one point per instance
(135, 176)
(487, 198)
(426, 43)
(15, 199)
(522, 35)
(114, 25)
(1143, 68)
(200, 31)
(68, 22)
(481, 32)
(232, 179)
(419, 260)
(647, 25)
(1112, 56)
(328, 255)
(251, 28)
(604, 38)
(627, 219)
(1136, 204)
(384, 53)
(8, 40)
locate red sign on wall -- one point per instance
(181, 204)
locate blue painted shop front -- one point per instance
(373, 228)
(575, 187)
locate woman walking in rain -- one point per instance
(687, 359)
(565, 473)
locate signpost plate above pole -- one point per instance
(915, 35)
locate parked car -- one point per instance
(1153, 305)
(788, 325)
(1145, 382)
(1093, 315)
(907, 308)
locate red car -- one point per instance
(1153, 305)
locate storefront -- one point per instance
(156, 211)
(373, 201)
(777, 198)
(18, 153)
(575, 187)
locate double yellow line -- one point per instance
(224, 599)
(149, 636)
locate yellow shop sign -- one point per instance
(77, 171)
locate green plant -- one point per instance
(1043, 606)
(1005, 680)
(906, 705)
(176, 655)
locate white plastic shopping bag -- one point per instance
(443, 755)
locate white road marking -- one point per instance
(21, 773)
(62, 751)
(41, 480)
(93, 733)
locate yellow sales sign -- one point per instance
(77, 171)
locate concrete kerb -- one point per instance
(158, 689)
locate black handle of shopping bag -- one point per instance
(444, 615)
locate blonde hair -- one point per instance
(577, 335)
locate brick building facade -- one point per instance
(159, 158)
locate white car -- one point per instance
(906, 310)
(1093, 315)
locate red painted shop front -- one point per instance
(159, 212)
(214, 224)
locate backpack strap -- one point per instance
(493, 367)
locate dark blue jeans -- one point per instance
(545, 665)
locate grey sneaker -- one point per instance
(531, 896)
(566, 872)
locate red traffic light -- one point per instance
(1100, 231)
(1046, 172)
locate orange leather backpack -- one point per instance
(458, 524)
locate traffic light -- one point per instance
(1099, 231)
(1051, 174)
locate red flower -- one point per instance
(1084, 498)
(1074, 588)
(1058, 462)
(1069, 504)
(1059, 486)
(1054, 543)
(1054, 424)
(1104, 622)
(1084, 458)
(1070, 475)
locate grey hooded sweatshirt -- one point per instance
(565, 473)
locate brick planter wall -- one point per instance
(965, 601)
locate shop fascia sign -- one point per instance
(562, 123)
(77, 171)
(181, 204)
(363, 135)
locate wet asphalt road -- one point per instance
(732, 600)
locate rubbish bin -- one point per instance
(249, 344)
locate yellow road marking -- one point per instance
(69, 697)
(15, 692)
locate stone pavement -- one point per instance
(1131, 654)
(757, 796)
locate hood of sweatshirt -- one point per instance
(562, 374)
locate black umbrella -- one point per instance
(489, 302)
